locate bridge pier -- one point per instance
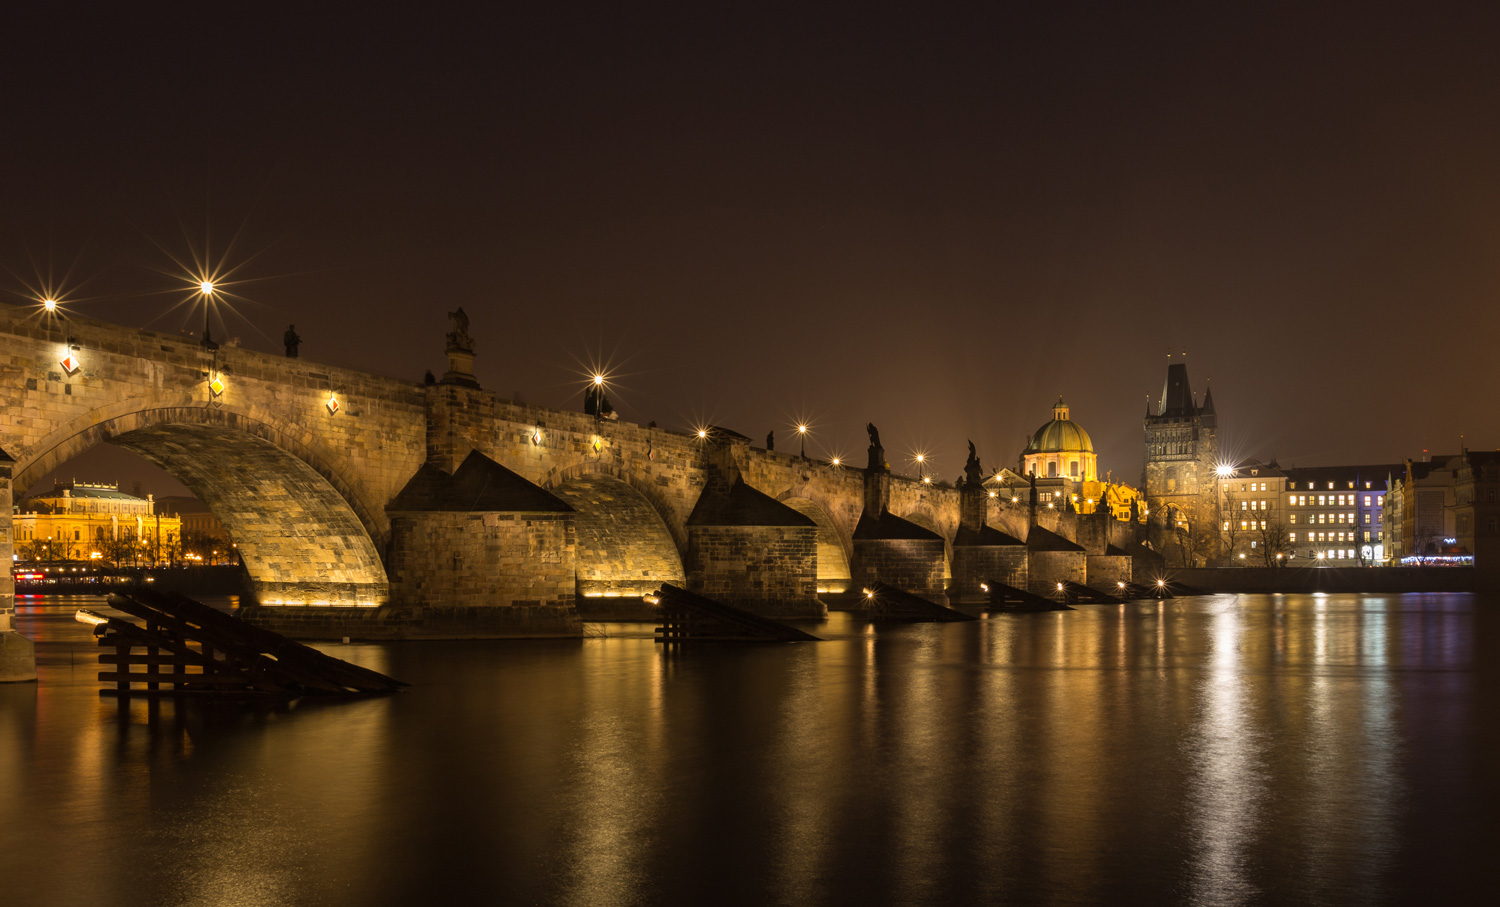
(749, 550)
(889, 549)
(17, 654)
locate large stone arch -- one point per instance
(835, 550)
(925, 519)
(674, 522)
(305, 536)
(625, 548)
(107, 424)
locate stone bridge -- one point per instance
(400, 508)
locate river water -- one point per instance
(1213, 750)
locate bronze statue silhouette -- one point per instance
(459, 338)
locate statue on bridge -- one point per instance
(877, 453)
(291, 340)
(972, 471)
(458, 338)
(771, 440)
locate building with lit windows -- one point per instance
(1336, 514)
(1060, 454)
(1253, 523)
(83, 521)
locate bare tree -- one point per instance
(1273, 542)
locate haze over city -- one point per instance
(937, 222)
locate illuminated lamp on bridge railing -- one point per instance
(836, 461)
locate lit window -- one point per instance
(1330, 486)
(1367, 498)
(1380, 501)
(1293, 519)
(1252, 543)
(1292, 536)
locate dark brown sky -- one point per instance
(930, 220)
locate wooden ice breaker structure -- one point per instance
(884, 602)
(188, 647)
(688, 617)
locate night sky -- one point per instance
(933, 220)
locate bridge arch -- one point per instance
(626, 543)
(835, 550)
(304, 533)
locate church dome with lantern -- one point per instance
(1060, 449)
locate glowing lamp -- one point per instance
(926, 480)
(49, 304)
(598, 380)
(207, 287)
(992, 494)
(1059, 587)
(332, 404)
(1224, 470)
(984, 587)
(802, 429)
(921, 457)
(835, 461)
(702, 432)
(1161, 582)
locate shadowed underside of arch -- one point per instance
(624, 546)
(300, 540)
(833, 561)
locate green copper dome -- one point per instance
(1059, 435)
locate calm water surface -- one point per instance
(1217, 750)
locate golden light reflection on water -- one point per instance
(1218, 750)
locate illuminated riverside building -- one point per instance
(79, 521)
(1060, 454)
(1421, 510)
(1476, 492)
(1253, 512)
(1337, 513)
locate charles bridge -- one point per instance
(371, 506)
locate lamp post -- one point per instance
(802, 433)
(207, 289)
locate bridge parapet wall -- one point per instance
(128, 379)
